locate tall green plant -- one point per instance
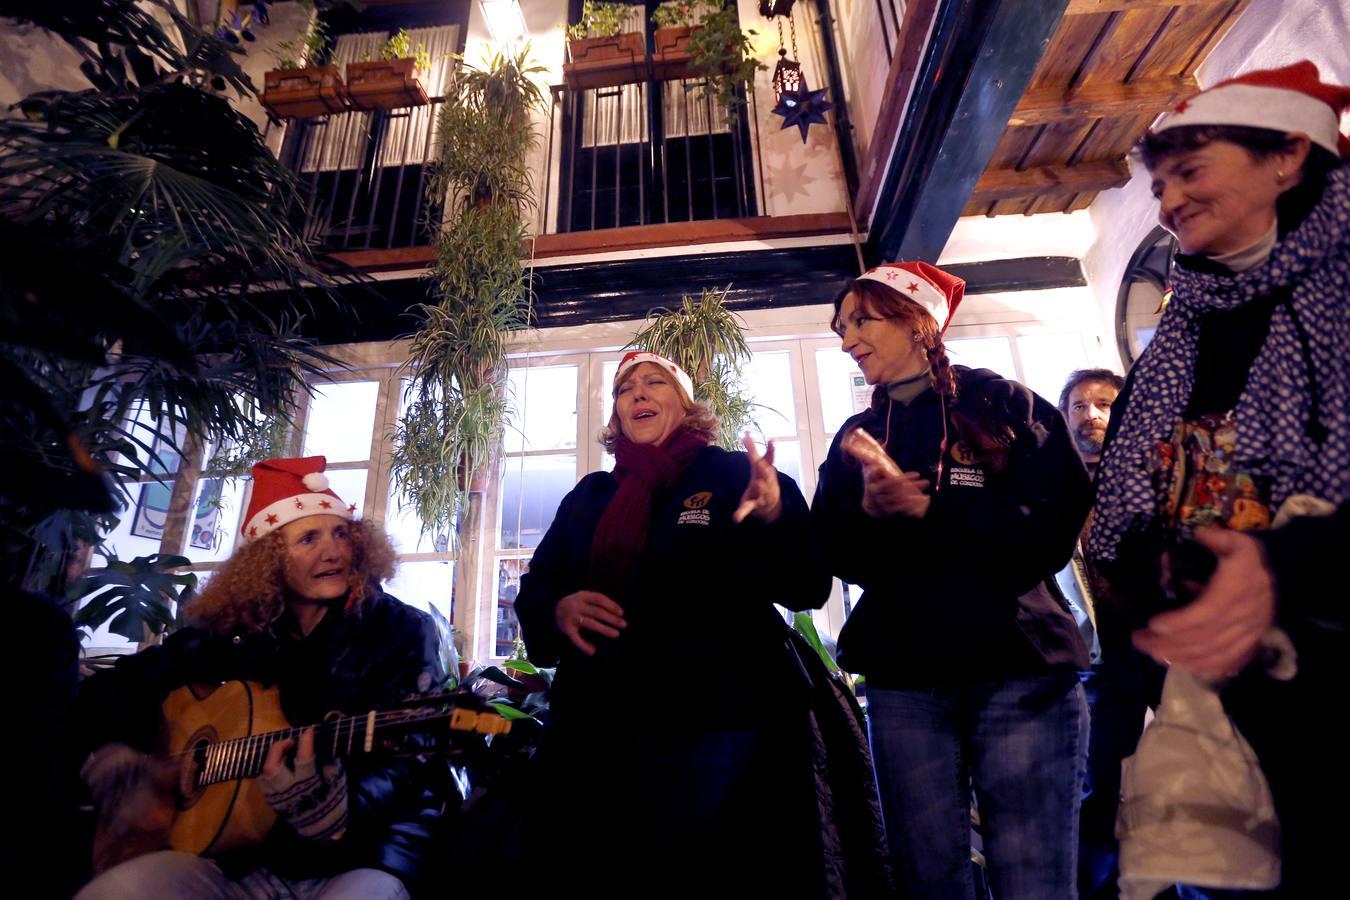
(137, 218)
(456, 401)
(706, 340)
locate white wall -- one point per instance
(862, 57)
(1269, 34)
(32, 60)
(798, 178)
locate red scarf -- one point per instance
(621, 535)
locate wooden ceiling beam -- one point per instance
(1047, 105)
(1002, 184)
(1091, 7)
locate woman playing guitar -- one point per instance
(297, 612)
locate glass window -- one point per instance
(1047, 360)
(215, 528)
(837, 376)
(544, 400)
(341, 421)
(983, 353)
(787, 458)
(607, 391)
(532, 488)
(768, 378)
(507, 627)
(350, 485)
(424, 585)
(404, 527)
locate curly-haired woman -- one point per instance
(298, 606)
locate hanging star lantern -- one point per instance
(803, 108)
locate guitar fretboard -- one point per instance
(333, 739)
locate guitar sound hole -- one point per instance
(192, 772)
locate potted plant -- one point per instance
(298, 87)
(675, 21)
(707, 340)
(720, 52)
(390, 82)
(602, 54)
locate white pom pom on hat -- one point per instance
(315, 481)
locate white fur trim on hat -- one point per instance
(1259, 106)
(285, 511)
(916, 287)
(638, 357)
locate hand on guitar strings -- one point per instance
(313, 799)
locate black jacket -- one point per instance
(351, 662)
(702, 632)
(960, 595)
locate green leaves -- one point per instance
(137, 219)
(456, 401)
(705, 339)
(133, 597)
(599, 20)
(807, 628)
(720, 52)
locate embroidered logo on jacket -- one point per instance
(696, 509)
(966, 476)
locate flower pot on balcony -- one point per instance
(385, 84)
(606, 61)
(670, 52)
(302, 93)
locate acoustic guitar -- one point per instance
(218, 738)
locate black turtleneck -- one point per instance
(1230, 340)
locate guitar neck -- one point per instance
(244, 757)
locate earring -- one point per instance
(1279, 174)
(917, 337)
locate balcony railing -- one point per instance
(625, 160)
(363, 177)
(613, 159)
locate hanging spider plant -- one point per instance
(456, 402)
(706, 340)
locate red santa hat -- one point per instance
(1293, 99)
(638, 357)
(938, 292)
(288, 489)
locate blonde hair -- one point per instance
(698, 418)
(249, 591)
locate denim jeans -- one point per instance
(1119, 691)
(1021, 744)
(182, 875)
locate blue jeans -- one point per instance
(1021, 744)
(1119, 691)
(187, 877)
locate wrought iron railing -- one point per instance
(363, 177)
(624, 160)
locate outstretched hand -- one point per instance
(762, 498)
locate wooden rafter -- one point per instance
(1090, 7)
(1002, 184)
(1042, 106)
